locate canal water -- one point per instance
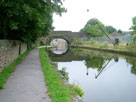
(104, 77)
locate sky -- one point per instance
(117, 13)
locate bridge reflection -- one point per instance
(59, 46)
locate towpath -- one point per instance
(26, 84)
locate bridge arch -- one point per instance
(66, 35)
(67, 39)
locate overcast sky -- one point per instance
(117, 13)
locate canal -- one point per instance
(104, 77)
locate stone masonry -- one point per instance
(9, 51)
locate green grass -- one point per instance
(56, 89)
(79, 91)
(127, 47)
(4, 75)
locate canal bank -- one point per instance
(128, 53)
(104, 77)
(58, 88)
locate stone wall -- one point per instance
(69, 33)
(9, 51)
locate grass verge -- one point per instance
(4, 75)
(56, 89)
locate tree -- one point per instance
(110, 29)
(27, 20)
(120, 31)
(93, 29)
(133, 28)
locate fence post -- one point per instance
(20, 47)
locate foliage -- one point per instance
(95, 62)
(110, 29)
(56, 89)
(78, 90)
(104, 45)
(92, 41)
(4, 75)
(133, 28)
(64, 73)
(120, 31)
(93, 29)
(42, 43)
(78, 41)
(26, 20)
(133, 68)
(55, 64)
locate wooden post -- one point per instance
(20, 47)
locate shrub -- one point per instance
(64, 73)
(79, 91)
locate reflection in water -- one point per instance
(104, 77)
(102, 69)
(60, 46)
(133, 63)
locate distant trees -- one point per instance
(110, 29)
(133, 28)
(92, 28)
(120, 31)
(95, 28)
(26, 20)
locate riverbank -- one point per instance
(56, 89)
(124, 50)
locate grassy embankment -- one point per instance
(121, 47)
(56, 89)
(4, 75)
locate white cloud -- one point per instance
(117, 13)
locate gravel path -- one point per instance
(26, 84)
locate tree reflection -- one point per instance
(102, 69)
(95, 62)
(133, 63)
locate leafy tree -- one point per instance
(133, 28)
(110, 29)
(93, 29)
(27, 20)
(120, 31)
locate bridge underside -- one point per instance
(69, 39)
(66, 35)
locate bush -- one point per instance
(64, 73)
(78, 41)
(79, 91)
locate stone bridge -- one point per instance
(69, 36)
